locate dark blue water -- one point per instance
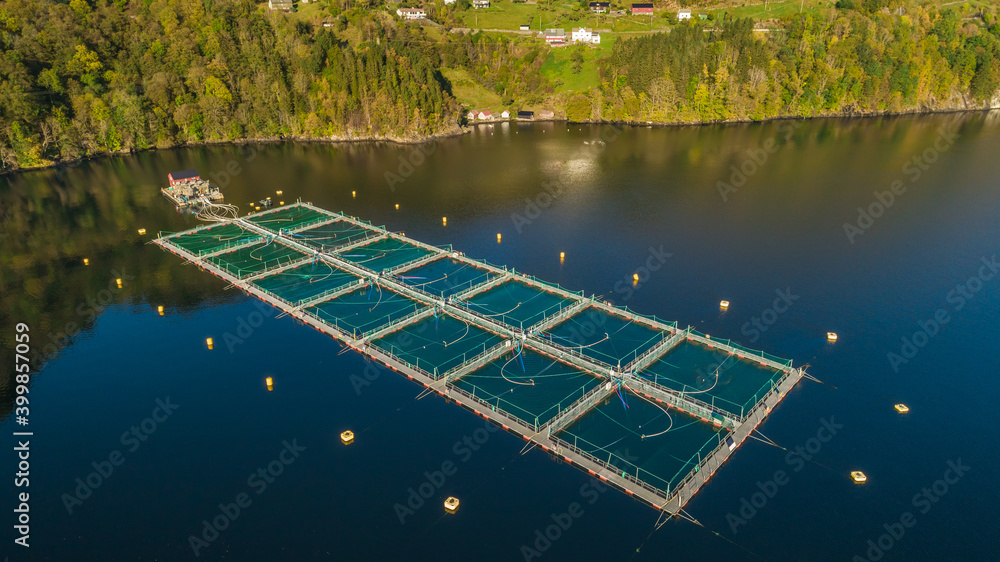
(776, 247)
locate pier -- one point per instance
(566, 372)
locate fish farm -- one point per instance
(576, 376)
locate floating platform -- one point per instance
(187, 189)
(645, 406)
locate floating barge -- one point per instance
(565, 372)
(187, 189)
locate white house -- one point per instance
(485, 115)
(555, 36)
(683, 15)
(472, 116)
(411, 13)
(585, 35)
(505, 114)
(480, 4)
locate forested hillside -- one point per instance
(88, 77)
(849, 62)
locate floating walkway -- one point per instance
(645, 406)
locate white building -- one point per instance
(683, 15)
(411, 13)
(480, 4)
(585, 35)
(505, 114)
(446, 2)
(485, 115)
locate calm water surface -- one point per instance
(775, 228)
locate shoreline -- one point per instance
(460, 130)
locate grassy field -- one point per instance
(558, 67)
(470, 93)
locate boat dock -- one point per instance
(565, 372)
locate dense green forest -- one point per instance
(88, 77)
(850, 62)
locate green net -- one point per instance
(288, 218)
(643, 439)
(305, 282)
(712, 376)
(383, 254)
(214, 239)
(445, 277)
(529, 386)
(365, 310)
(437, 344)
(517, 304)
(333, 235)
(256, 258)
(608, 338)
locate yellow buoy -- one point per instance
(160, 309)
(859, 477)
(279, 192)
(635, 277)
(444, 221)
(142, 231)
(119, 283)
(723, 305)
(902, 408)
(562, 255)
(498, 237)
(451, 504)
(210, 343)
(281, 202)
(347, 437)
(830, 336)
(354, 194)
(397, 206)
(270, 383)
(256, 208)
(86, 261)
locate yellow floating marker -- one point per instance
(562, 256)
(281, 202)
(397, 206)
(142, 231)
(830, 336)
(347, 437)
(211, 344)
(86, 261)
(724, 305)
(498, 237)
(858, 477)
(270, 383)
(279, 192)
(160, 309)
(256, 208)
(635, 277)
(444, 221)
(902, 408)
(354, 194)
(119, 283)
(451, 504)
